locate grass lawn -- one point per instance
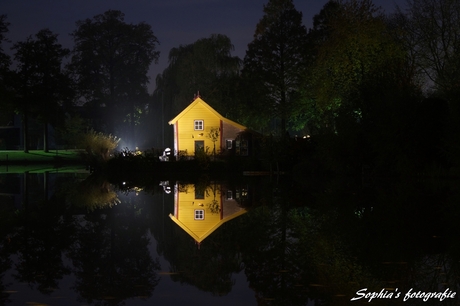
(39, 161)
(38, 156)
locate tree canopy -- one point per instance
(432, 31)
(206, 66)
(4, 58)
(275, 63)
(41, 84)
(5, 63)
(110, 61)
(356, 60)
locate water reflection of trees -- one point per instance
(107, 249)
(391, 235)
(41, 236)
(111, 256)
(295, 243)
(110, 252)
(269, 251)
(6, 217)
(210, 267)
(298, 243)
(347, 238)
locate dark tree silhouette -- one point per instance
(40, 240)
(41, 85)
(430, 29)
(4, 63)
(275, 63)
(111, 257)
(110, 61)
(206, 66)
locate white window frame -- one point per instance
(199, 214)
(198, 125)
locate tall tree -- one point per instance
(41, 84)
(357, 60)
(206, 66)
(4, 64)
(110, 61)
(275, 62)
(4, 58)
(316, 117)
(432, 31)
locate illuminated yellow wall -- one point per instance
(186, 205)
(186, 135)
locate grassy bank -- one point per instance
(39, 161)
(38, 156)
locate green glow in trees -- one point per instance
(356, 60)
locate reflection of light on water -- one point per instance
(137, 190)
(94, 192)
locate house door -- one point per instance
(199, 146)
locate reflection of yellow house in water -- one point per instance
(199, 126)
(200, 211)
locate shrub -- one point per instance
(99, 145)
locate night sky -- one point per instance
(174, 22)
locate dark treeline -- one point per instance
(105, 74)
(372, 92)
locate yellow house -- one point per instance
(200, 211)
(200, 127)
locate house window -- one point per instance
(199, 214)
(228, 144)
(199, 125)
(229, 195)
(199, 193)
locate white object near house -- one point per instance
(166, 154)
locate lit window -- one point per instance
(228, 144)
(229, 195)
(199, 214)
(199, 125)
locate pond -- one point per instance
(75, 238)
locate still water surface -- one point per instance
(79, 239)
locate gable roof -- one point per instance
(198, 100)
(200, 238)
